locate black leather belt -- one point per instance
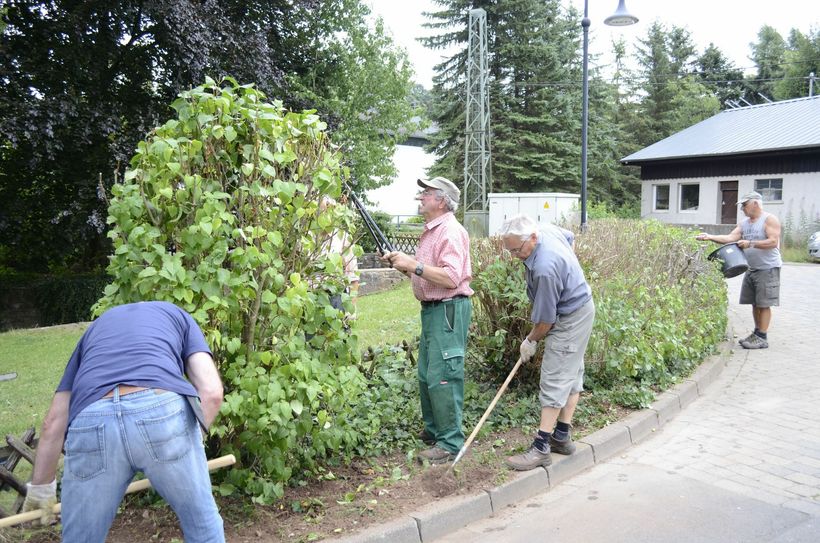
(434, 303)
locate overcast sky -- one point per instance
(730, 24)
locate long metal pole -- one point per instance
(584, 114)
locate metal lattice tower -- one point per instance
(477, 174)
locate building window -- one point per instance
(661, 198)
(770, 189)
(689, 197)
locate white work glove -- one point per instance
(42, 497)
(528, 349)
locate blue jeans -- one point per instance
(111, 440)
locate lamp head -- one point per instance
(621, 17)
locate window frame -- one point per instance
(766, 192)
(680, 198)
(655, 188)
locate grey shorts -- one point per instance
(562, 368)
(761, 288)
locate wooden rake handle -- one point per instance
(487, 412)
(136, 486)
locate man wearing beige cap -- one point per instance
(759, 237)
(440, 272)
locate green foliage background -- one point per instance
(660, 308)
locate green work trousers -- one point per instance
(441, 369)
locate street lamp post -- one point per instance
(621, 17)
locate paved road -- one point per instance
(740, 464)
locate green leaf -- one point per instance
(296, 407)
(150, 271)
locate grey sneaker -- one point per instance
(529, 460)
(562, 447)
(756, 342)
(747, 338)
(436, 455)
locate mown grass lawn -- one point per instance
(38, 356)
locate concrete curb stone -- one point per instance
(564, 467)
(521, 486)
(401, 530)
(710, 369)
(608, 441)
(641, 424)
(687, 391)
(666, 405)
(443, 517)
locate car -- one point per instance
(814, 247)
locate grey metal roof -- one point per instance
(790, 124)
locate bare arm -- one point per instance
(539, 331)
(772, 229)
(731, 237)
(407, 265)
(52, 435)
(201, 371)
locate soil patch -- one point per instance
(346, 500)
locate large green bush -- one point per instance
(661, 307)
(218, 213)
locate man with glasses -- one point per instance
(562, 312)
(440, 272)
(759, 237)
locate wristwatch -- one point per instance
(419, 269)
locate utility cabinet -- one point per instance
(542, 207)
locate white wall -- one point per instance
(398, 198)
(800, 203)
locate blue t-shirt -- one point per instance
(555, 280)
(141, 344)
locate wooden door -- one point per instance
(728, 202)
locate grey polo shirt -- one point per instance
(555, 280)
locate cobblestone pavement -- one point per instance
(741, 463)
(757, 431)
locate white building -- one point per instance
(695, 176)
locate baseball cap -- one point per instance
(449, 188)
(750, 196)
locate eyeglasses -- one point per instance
(516, 251)
(427, 192)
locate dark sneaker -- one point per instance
(529, 460)
(426, 438)
(562, 447)
(436, 455)
(756, 342)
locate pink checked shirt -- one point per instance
(444, 244)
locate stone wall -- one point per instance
(378, 279)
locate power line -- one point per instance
(645, 81)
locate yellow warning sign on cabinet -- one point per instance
(547, 204)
